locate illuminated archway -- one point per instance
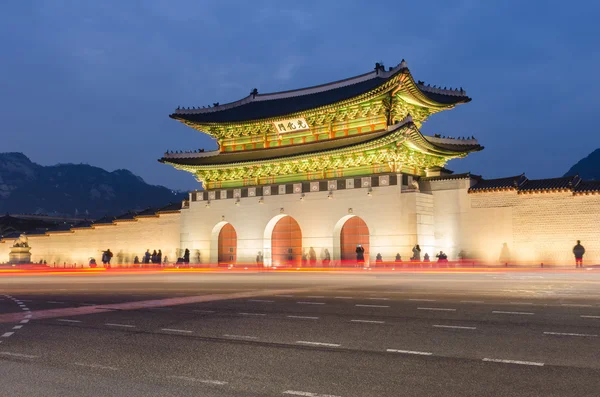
(349, 232)
(227, 245)
(283, 242)
(217, 239)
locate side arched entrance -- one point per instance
(223, 245)
(227, 245)
(353, 233)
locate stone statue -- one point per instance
(20, 251)
(21, 241)
(415, 185)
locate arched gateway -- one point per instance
(354, 232)
(286, 242)
(227, 245)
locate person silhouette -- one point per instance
(578, 251)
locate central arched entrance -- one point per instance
(354, 232)
(286, 242)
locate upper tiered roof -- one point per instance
(264, 106)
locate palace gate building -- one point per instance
(302, 177)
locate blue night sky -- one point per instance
(94, 81)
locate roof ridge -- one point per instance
(379, 72)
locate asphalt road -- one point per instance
(409, 334)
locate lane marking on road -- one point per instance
(261, 300)
(307, 394)
(368, 321)
(316, 296)
(139, 305)
(65, 320)
(252, 314)
(304, 342)
(439, 309)
(304, 317)
(575, 305)
(472, 302)
(422, 300)
(284, 296)
(568, 334)
(522, 313)
(96, 366)
(58, 303)
(379, 299)
(24, 321)
(589, 316)
(7, 334)
(203, 311)
(371, 306)
(120, 325)
(343, 297)
(208, 381)
(176, 330)
(497, 360)
(418, 353)
(453, 326)
(18, 355)
(240, 336)
(17, 327)
(521, 303)
(310, 303)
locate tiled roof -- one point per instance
(521, 184)
(512, 182)
(83, 225)
(104, 220)
(565, 183)
(128, 216)
(147, 212)
(170, 208)
(587, 186)
(60, 228)
(465, 175)
(261, 106)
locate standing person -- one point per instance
(326, 258)
(504, 255)
(109, 256)
(312, 257)
(360, 255)
(578, 251)
(153, 257)
(159, 258)
(147, 257)
(259, 259)
(186, 256)
(416, 253)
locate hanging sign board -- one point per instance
(291, 125)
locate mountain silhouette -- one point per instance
(587, 168)
(74, 189)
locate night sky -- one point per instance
(94, 81)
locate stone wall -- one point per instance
(443, 215)
(538, 228)
(125, 239)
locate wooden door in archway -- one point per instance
(227, 244)
(354, 232)
(286, 243)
